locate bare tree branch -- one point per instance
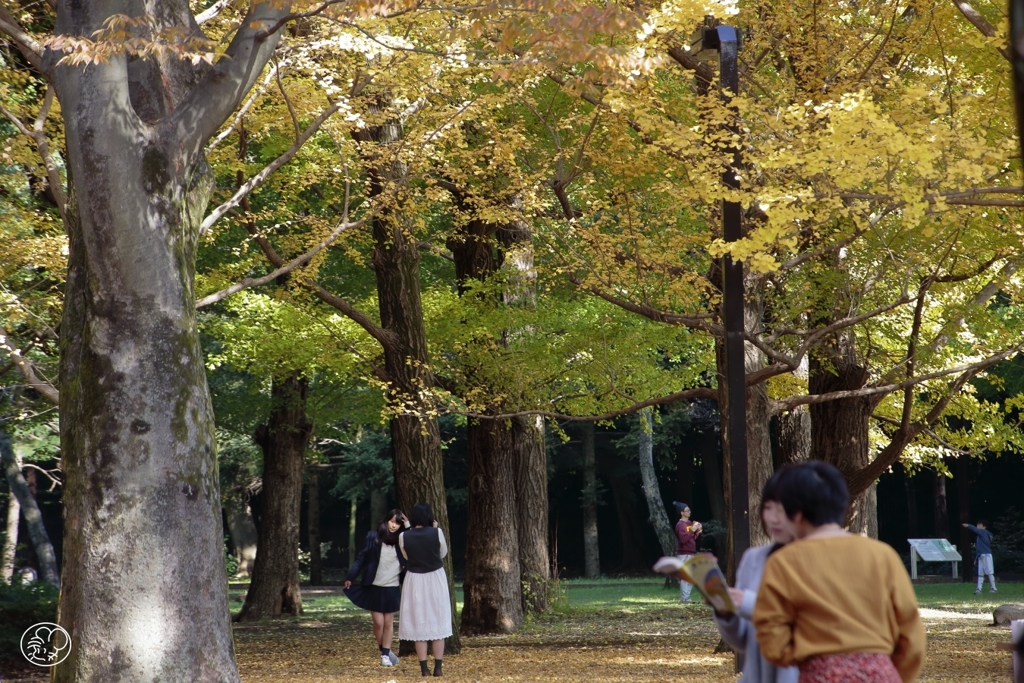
(696, 322)
(38, 135)
(701, 392)
(253, 96)
(28, 370)
(262, 176)
(383, 336)
(284, 269)
(806, 399)
(980, 22)
(212, 11)
(31, 48)
(220, 92)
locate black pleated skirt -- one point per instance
(384, 599)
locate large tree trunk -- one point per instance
(30, 510)
(941, 510)
(963, 497)
(759, 444)
(274, 589)
(709, 446)
(244, 535)
(493, 600)
(591, 549)
(493, 594)
(144, 542)
(10, 538)
(657, 517)
(839, 430)
(911, 494)
(415, 436)
(794, 435)
(528, 443)
(531, 479)
(316, 572)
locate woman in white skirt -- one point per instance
(426, 605)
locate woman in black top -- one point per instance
(380, 567)
(426, 604)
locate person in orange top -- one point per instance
(839, 606)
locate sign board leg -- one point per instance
(913, 562)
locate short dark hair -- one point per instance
(814, 488)
(982, 522)
(421, 515)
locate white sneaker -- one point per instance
(394, 658)
(386, 661)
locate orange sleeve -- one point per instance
(774, 615)
(908, 657)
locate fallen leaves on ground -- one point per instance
(668, 644)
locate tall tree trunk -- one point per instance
(415, 437)
(30, 511)
(493, 600)
(591, 549)
(493, 594)
(963, 497)
(911, 493)
(759, 444)
(136, 421)
(316, 573)
(10, 538)
(274, 589)
(529, 447)
(352, 536)
(243, 535)
(711, 460)
(839, 429)
(531, 479)
(794, 435)
(941, 511)
(652, 492)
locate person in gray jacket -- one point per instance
(738, 629)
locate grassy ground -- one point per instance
(613, 630)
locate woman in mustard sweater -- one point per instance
(838, 605)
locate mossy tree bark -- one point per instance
(274, 588)
(137, 434)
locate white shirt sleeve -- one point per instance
(444, 544)
(401, 544)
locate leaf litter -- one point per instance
(672, 643)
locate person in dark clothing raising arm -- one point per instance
(983, 555)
